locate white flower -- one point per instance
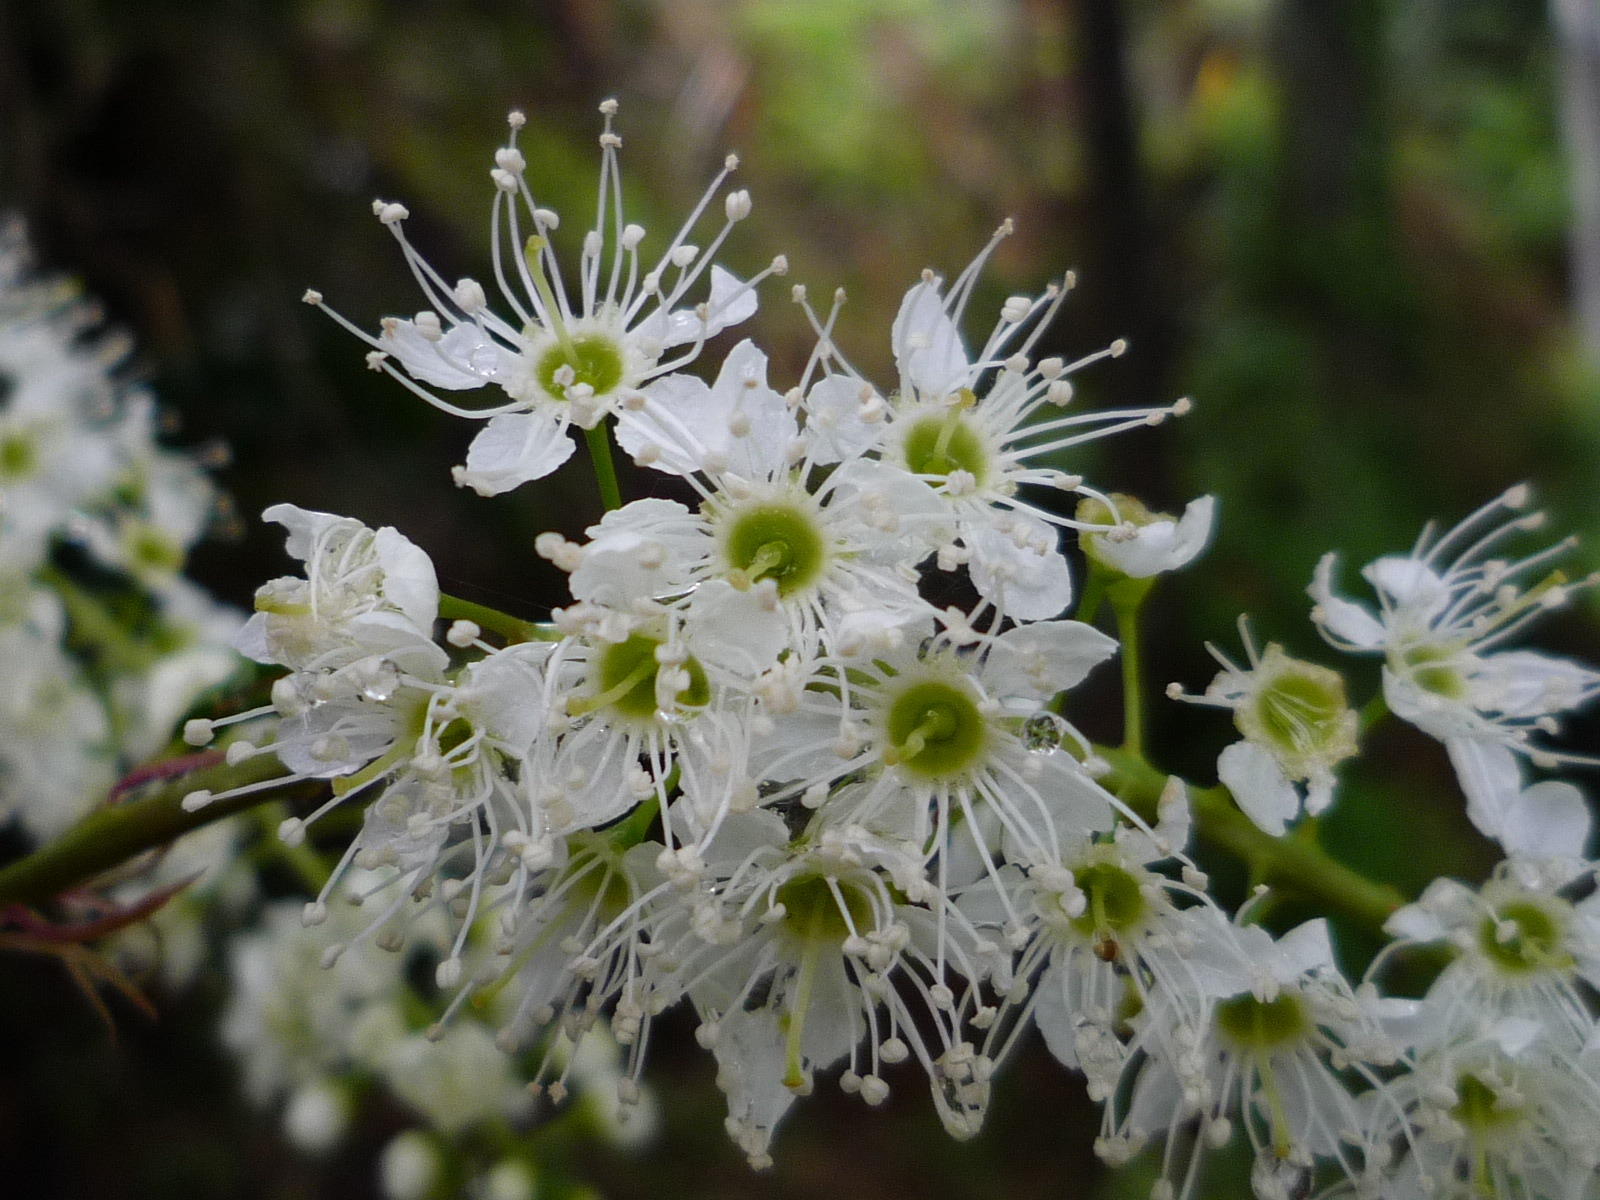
(1280, 1027)
(1495, 1109)
(965, 425)
(1103, 936)
(934, 729)
(454, 1080)
(316, 1117)
(409, 1167)
(1135, 542)
(631, 714)
(288, 1020)
(1444, 610)
(366, 594)
(561, 355)
(163, 503)
(775, 557)
(57, 452)
(788, 956)
(1522, 950)
(1297, 727)
(57, 755)
(576, 940)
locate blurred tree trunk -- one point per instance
(1119, 259)
(1337, 207)
(1577, 28)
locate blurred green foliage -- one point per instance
(1339, 224)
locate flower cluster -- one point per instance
(753, 769)
(105, 644)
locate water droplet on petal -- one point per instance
(484, 360)
(385, 678)
(1043, 732)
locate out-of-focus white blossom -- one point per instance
(1444, 612)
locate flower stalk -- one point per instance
(112, 836)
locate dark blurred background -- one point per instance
(1364, 236)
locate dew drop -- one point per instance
(383, 682)
(484, 360)
(1043, 732)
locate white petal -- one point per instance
(1054, 1016)
(251, 640)
(643, 550)
(1515, 1034)
(921, 516)
(1416, 922)
(409, 582)
(834, 428)
(503, 694)
(684, 325)
(735, 630)
(927, 344)
(1491, 778)
(669, 428)
(1259, 786)
(1346, 621)
(751, 1051)
(1548, 820)
(1304, 949)
(1161, 545)
(684, 424)
(743, 395)
(1436, 715)
(1319, 791)
(465, 357)
(731, 302)
(1408, 1022)
(799, 748)
(1523, 683)
(303, 524)
(1044, 658)
(1076, 806)
(1408, 583)
(513, 449)
(1023, 583)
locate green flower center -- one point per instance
(18, 458)
(1535, 944)
(1300, 710)
(812, 912)
(591, 358)
(1431, 668)
(780, 542)
(936, 446)
(935, 730)
(1299, 713)
(626, 673)
(597, 882)
(1263, 1025)
(1114, 905)
(1479, 1107)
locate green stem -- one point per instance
(1127, 613)
(1094, 591)
(513, 629)
(111, 836)
(1292, 865)
(635, 827)
(1372, 712)
(605, 472)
